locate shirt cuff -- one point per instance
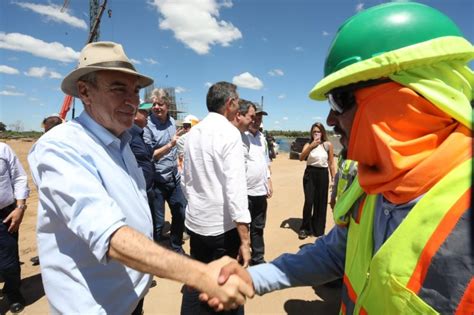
(267, 278)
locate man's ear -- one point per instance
(238, 116)
(83, 91)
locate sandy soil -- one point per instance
(283, 220)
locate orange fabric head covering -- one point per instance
(403, 143)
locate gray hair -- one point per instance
(218, 95)
(160, 94)
(90, 77)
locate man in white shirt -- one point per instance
(259, 185)
(217, 216)
(242, 121)
(13, 193)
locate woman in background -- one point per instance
(319, 156)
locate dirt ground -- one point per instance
(283, 220)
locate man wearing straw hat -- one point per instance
(94, 226)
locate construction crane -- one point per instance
(96, 12)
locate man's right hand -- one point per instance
(230, 270)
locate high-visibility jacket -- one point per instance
(425, 266)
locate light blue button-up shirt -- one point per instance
(89, 185)
(323, 261)
(158, 134)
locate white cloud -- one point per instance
(11, 93)
(196, 24)
(41, 72)
(135, 61)
(226, 4)
(8, 70)
(37, 47)
(317, 118)
(276, 72)
(32, 99)
(276, 122)
(326, 33)
(180, 89)
(37, 72)
(285, 118)
(281, 96)
(247, 80)
(360, 7)
(298, 48)
(208, 84)
(55, 75)
(10, 87)
(53, 12)
(151, 61)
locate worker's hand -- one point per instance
(180, 131)
(15, 217)
(244, 254)
(229, 270)
(229, 293)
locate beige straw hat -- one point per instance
(101, 56)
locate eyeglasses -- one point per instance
(342, 99)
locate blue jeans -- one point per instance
(171, 193)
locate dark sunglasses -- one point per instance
(343, 98)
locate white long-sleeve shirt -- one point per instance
(213, 179)
(258, 163)
(13, 180)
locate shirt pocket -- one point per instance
(405, 301)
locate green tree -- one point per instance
(3, 127)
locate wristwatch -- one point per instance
(22, 207)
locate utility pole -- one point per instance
(95, 13)
(94, 23)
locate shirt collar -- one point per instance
(158, 122)
(105, 136)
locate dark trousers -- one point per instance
(207, 249)
(315, 185)
(9, 259)
(258, 212)
(171, 193)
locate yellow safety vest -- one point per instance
(392, 281)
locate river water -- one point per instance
(284, 144)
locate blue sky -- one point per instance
(273, 49)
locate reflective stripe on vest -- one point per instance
(425, 266)
(346, 173)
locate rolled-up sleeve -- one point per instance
(71, 189)
(313, 265)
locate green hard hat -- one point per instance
(385, 28)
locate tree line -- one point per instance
(294, 133)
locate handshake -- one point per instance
(229, 287)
